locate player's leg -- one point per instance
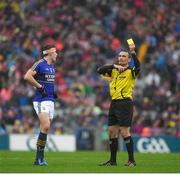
(42, 138)
(125, 132)
(43, 109)
(113, 144)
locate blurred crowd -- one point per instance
(88, 34)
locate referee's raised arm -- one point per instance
(136, 60)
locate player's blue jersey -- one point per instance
(45, 76)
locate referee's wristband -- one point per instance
(133, 53)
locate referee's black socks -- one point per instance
(129, 145)
(113, 143)
(41, 143)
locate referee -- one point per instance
(122, 80)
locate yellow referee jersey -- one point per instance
(122, 84)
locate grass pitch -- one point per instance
(87, 162)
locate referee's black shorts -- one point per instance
(121, 112)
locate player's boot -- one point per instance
(130, 163)
(40, 162)
(108, 163)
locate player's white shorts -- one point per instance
(44, 106)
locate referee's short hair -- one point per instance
(125, 50)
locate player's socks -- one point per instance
(129, 145)
(41, 142)
(113, 143)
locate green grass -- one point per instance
(86, 162)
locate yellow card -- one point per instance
(130, 41)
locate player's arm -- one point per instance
(29, 77)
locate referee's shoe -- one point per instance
(130, 164)
(108, 163)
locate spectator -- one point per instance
(90, 34)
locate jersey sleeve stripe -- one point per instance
(133, 73)
(36, 64)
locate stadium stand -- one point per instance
(88, 34)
